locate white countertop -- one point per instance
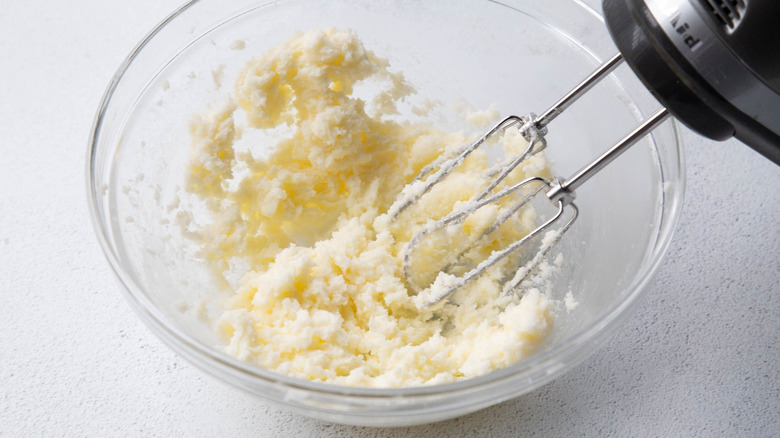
(700, 357)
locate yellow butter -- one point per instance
(325, 297)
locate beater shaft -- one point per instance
(563, 190)
(569, 98)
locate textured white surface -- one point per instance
(701, 356)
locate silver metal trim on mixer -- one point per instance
(708, 54)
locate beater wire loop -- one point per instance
(560, 192)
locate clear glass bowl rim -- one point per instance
(537, 369)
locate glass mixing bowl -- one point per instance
(518, 56)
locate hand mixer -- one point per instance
(713, 64)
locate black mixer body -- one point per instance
(714, 64)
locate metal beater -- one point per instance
(699, 58)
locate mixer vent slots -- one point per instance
(728, 12)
